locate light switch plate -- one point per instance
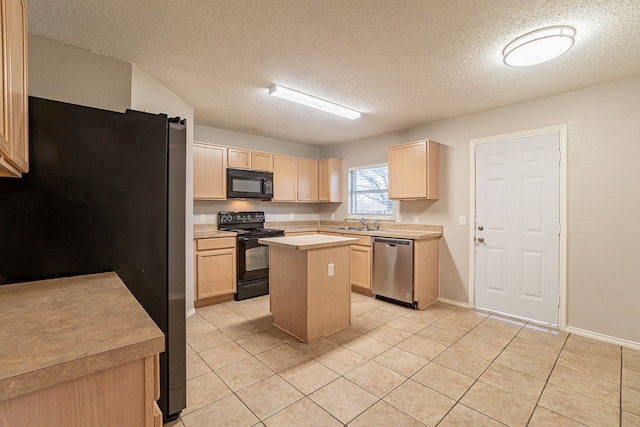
(462, 220)
(291, 216)
(202, 218)
(330, 269)
(415, 219)
(333, 216)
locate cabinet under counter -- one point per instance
(83, 342)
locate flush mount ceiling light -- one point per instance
(539, 46)
(310, 101)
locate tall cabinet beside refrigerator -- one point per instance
(105, 192)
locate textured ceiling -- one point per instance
(400, 62)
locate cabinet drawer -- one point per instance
(362, 240)
(215, 243)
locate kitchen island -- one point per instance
(309, 290)
(77, 351)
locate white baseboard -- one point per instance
(453, 302)
(191, 312)
(605, 338)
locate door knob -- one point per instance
(480, 239)
(480, 228)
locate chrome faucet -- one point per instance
(364, 223)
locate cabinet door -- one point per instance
(261, 161)
(414, 170)
(284, 179)
(209, 172)
(330, 180)
(14, 143)
(360, 267)
(307, 180)
(238, 159)
(216, 272)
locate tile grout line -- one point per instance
(484, 370)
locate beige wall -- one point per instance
(66, 73)
(603, 196)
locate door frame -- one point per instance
(562, 249)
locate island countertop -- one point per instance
(312, 241)
(61, 329)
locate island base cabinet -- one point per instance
(123, 395)
(305, 301)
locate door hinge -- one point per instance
(558, 300)
(559, 156)
(559, 229)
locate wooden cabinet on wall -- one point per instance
(238, 158)
(14, 142)
(209, 172)
(414, 170)
(215, 267)
(285, 178)
(307, 177)
(251, 160)
(330, 180)
(261, 161)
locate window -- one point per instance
(369, 191)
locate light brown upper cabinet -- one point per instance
(330, 180)
(14, 143)
(307, 180)
(238, 158)
(414, 170)
(209, 172)
(284, 178)
(261, 161)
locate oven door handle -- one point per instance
(246, 239)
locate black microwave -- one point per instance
(244, 184)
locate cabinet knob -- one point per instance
(480, 239)
(480, 228)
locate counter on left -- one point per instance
(77, 351)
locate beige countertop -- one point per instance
(412, 231)
(397, 233)
(312, 241)
(207, 234)
(60, 329)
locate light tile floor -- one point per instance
(442, 366)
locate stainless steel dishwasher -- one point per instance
(392, 275)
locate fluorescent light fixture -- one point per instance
(310, 101)
(539, 46)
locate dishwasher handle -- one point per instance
(393, 242)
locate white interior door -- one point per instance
(517, 226)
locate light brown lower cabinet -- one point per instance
(215, 267)
(359, 262)
(123, 395)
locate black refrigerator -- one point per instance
(105, 192)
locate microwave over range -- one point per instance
(244, 184)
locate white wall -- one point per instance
(66, 73)
(603, 196)
(147, 94)
(273, 211)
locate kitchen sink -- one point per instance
(351, 228)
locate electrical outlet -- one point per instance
(330, 269)
(399, 218)
(202, 218)
(415, 219)
(462, 220)
(333, 216)
(291, 216)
